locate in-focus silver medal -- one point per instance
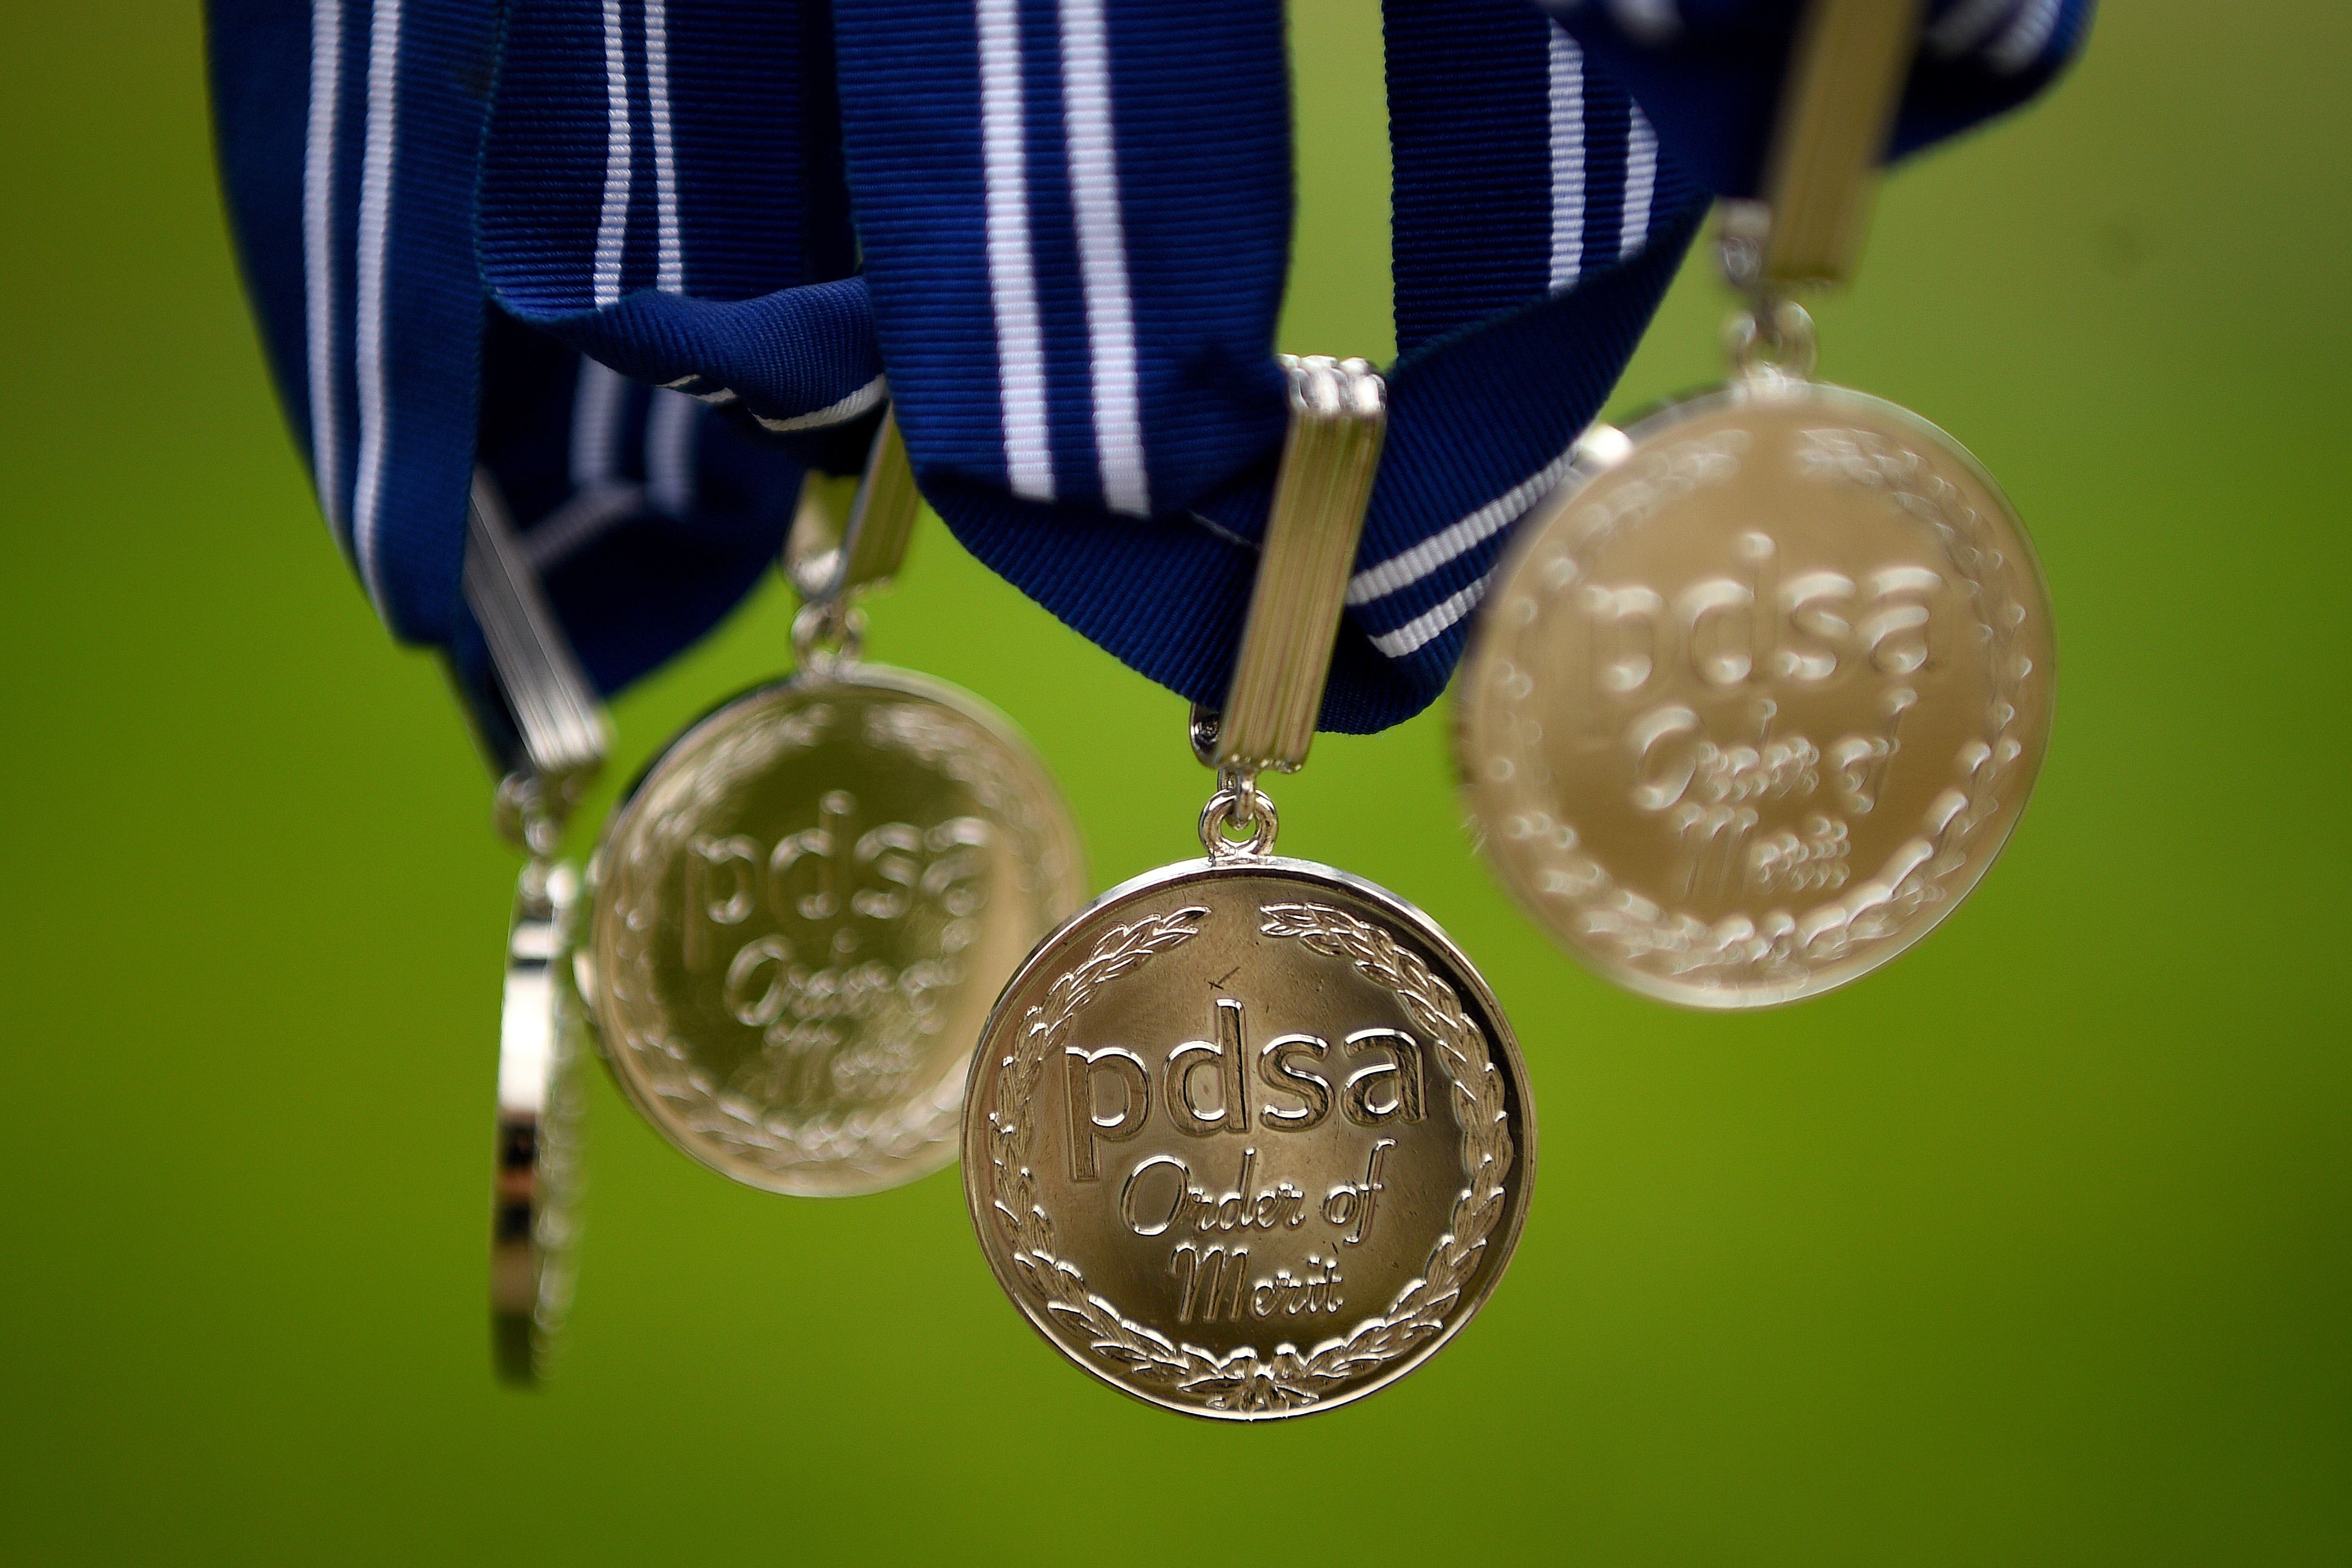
(1762, 688)
(1249, 1137)
(806, 907)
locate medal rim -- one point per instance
(1504, 1046)
(1652, 424)
(539, 1328)
(940, 1153)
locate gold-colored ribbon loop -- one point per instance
(1339, 418)
(844, 544)
(1845, 79)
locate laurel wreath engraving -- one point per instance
(1245, 1380)
(1694, 948)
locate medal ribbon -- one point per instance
(353, 137)
(1074, 216)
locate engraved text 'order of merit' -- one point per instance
(1249, 1137)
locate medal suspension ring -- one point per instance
(1246, 1381)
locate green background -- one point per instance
(2032, 1248)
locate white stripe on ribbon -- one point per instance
(319, 253)
(846, 409)
(1965, 25)
(1641, 182)
(375, 236)
(1102, 257)
(1011, 270)
(669, 269)
(669, 451)
(1566, 159)
(598, 401)
(717, 397)
(563, 532)
(1429, 624)
(1647, 21)
(1409, 567)
(2025, 38)
(613, 221)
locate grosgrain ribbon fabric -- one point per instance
(1709, 72)
(1077, 229)
(1076, 237)
(1074, 224)
(351, 136)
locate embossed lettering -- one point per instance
(1895, 635)
(1214, 1280)
(1086, 1124)
(1625, 635)
(1813, 605)
(1245, 1207)
(1861, 762)
(1221, 1059)
(890, 851)
(1666, 756)
(722, 884)
(1278, 1068)
(1720, 629)
(1317, 1291)
(803, 872)
(1728, 632)
(1812, 861)
(1352, 1203)
(1398, 1075)
(952, 877)
(1132, 1209)
(1712, 839)
(754, 957)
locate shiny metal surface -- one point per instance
(803, 914)
(1751, 709)
(846, 540)
(1248, 1138)
(1338, 420)
(556, 713)
(536, 1181)
(1845, 72)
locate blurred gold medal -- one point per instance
(1762, 688)
(805, 909)
(1249, 1137)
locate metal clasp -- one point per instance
(1838, 100)
(842, 546)
(1839, 95)
(1338, 419)
(549, 735)
(839, 549)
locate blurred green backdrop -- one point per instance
(2031, 1249)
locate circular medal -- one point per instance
(1248, 1138)
(535, 1190)
(802, 912)
(1759, 694)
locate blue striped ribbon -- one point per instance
(605, 247)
